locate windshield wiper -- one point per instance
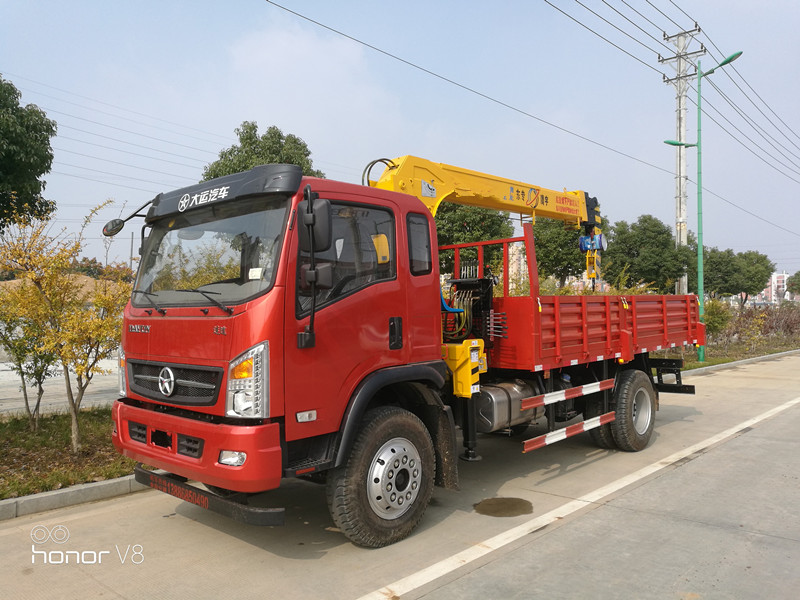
(210, 298)
(152, 302)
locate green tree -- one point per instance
(793, 283)
(721, 274)
(459, 224)
(25, 156)
(253, 150)
(648, 249)
(557, 251)
(756, 269)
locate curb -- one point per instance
(102, 490)
(76, 494)
(735, 364)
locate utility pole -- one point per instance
(681, 41)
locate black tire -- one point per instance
(380, 494)
(601, 436)
(635, 402)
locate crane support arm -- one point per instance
(434, 183)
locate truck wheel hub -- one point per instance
(394, 478)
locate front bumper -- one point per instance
(190, 448)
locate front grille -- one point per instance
(198, 386)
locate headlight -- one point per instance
(121, 365)
(248, 381)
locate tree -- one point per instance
(557, 251)
(648, 249)
(253, 150)
(793, 283)
(755, 269)
(80, 323)
(25, 156)
(90, 267)
(459, 224)
(726, 273)
(721, 274)
(22, 338)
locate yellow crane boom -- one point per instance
(434, 183)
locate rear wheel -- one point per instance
(635, 411)
(379, 495)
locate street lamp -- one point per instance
(701, 351)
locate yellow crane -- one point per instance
(434, 183)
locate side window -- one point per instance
(419, 244)
(362, 254)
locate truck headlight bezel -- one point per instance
(247, 393)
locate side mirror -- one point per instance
(320, 221)
(113, 227)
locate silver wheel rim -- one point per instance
(394, 478)
(642, 411)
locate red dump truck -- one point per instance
(285, 326)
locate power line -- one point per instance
(149, 137)
(469, 89)
(165, 160)
(640, 28)
(104, 182)
(733, 68)
(110, 114)
(617, 28)
(169, 185)
(60, 125)
(569, 16)
(116, 162)
(113, 105)
(664, 15)
(517, 110)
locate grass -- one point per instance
(42, 461)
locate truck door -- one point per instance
(358, 321)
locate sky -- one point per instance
(147, 93)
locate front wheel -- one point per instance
(379, 495)
(636, 409)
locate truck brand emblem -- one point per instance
(166, 381)
(138, 328)
(187, 200)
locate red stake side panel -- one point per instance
(557, 331)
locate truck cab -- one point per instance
(216, 385)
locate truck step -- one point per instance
(569, 431)
(305, 466)
(561, 395)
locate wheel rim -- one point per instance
(394, 478)
(642, 412)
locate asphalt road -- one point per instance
(708, 510)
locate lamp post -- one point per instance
(701, 351)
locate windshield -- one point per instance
(225, 253)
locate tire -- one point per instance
(634, 399)
(601, 436)
(380, 494)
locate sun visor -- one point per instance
(264, 179)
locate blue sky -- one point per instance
(146, 93)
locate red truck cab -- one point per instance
(215, 386)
